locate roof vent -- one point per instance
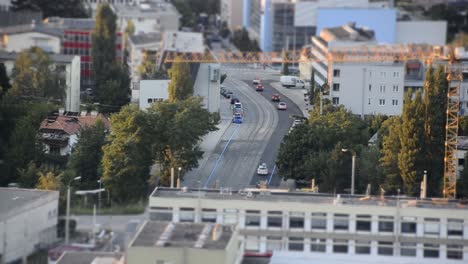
(184, 189)
(83, 113)
(94, 113)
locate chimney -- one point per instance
(94, 113)
(83, 113)
(61, 111)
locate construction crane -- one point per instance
(364, 54)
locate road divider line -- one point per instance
(272, 173)
(220, 157)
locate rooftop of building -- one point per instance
(57, 58)
(183, 235)
(10, 18)
(146, 38)
(152, 9)
(348, 32)
(179, 41)
(88, 257)
(71, 123)
(299, 196)
(15, 198)
(54, 26)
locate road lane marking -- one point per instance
(272, 173)
(220, 157)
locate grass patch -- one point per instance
(120, 209)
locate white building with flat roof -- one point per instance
(28, 222)
(232, 13)
(151, 91)
(304, 222)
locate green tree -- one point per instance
(127, 158)
(4, 80)
(177, 128)
(390, 137)
(147, 68)
(435, 101)
(187, 18)
(224, 32)
(411, 156)
(48, 181)
(85, 160)
(62, 8)
(104, 46)
(285, 66)
(114, 92)
(28, 176)
(33, 77)
(369, 171)
(181, 85)
(223, 77)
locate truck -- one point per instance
(291, 81)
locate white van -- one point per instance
(292, 81)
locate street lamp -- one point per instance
(67, 220)
(178, 178)
(99, 195)
(353, 165)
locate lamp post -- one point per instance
(99, 195)
(67, 220)
(353, 166)
(178, 177)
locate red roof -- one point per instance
(72, 124)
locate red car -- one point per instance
(275, 98)
(259, 88)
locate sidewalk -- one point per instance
(296, 95)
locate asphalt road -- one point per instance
(284, 124)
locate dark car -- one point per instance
(234, 100)
(259, 88)
(276, 98)
(228, 94)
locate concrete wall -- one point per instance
(422, 32)
(207, 88)
(19, 42)
(153, 89)
(28, 227)
(151, 255)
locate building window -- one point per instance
(431, 226)
(336, 100)
(370, 73)
(396, 74)
(230, 216)
(336, 73)
(252, 243)
(54, 150)
(381, 102)
(383, 74)
(363, 247)
(408, 249)
(382, 88)
(394, 102)
(160, 213)
(363, 223)
(408, 225)
(208, 215)
(340, 246)
(318, 244)
(431, 250)
(275, 219)
(340, 222)
(454, 251)
(296, 220)
(187, 214)
(296, 244)
(319, 221)
(336, 87)
(395, 88)
(455, 227)
(368, 101)
(252, 218)
(150, 100)
(385, 223)
(385, 248)
(273, 243)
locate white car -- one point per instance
(256, 81)
(238, 105)
(282, 106)
(262, 169)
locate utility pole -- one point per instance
(67, 220)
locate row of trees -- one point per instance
(408, 145)
(62, 8)
(240, 38)
(190, 9)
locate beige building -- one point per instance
(232, 12)
(310, 223)
(184, 243)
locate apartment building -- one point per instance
(232, 13)
(364, 227)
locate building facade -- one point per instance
(270, 220)
(28, 220)
(139, 46)
(232, 13)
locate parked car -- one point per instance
(276, 98)
(262, 169)
(282, 106)
(238, 105)
(256, 81)
(259, 88)
(238, 118)
(291, 81)
(234, 100)
(228, 95)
